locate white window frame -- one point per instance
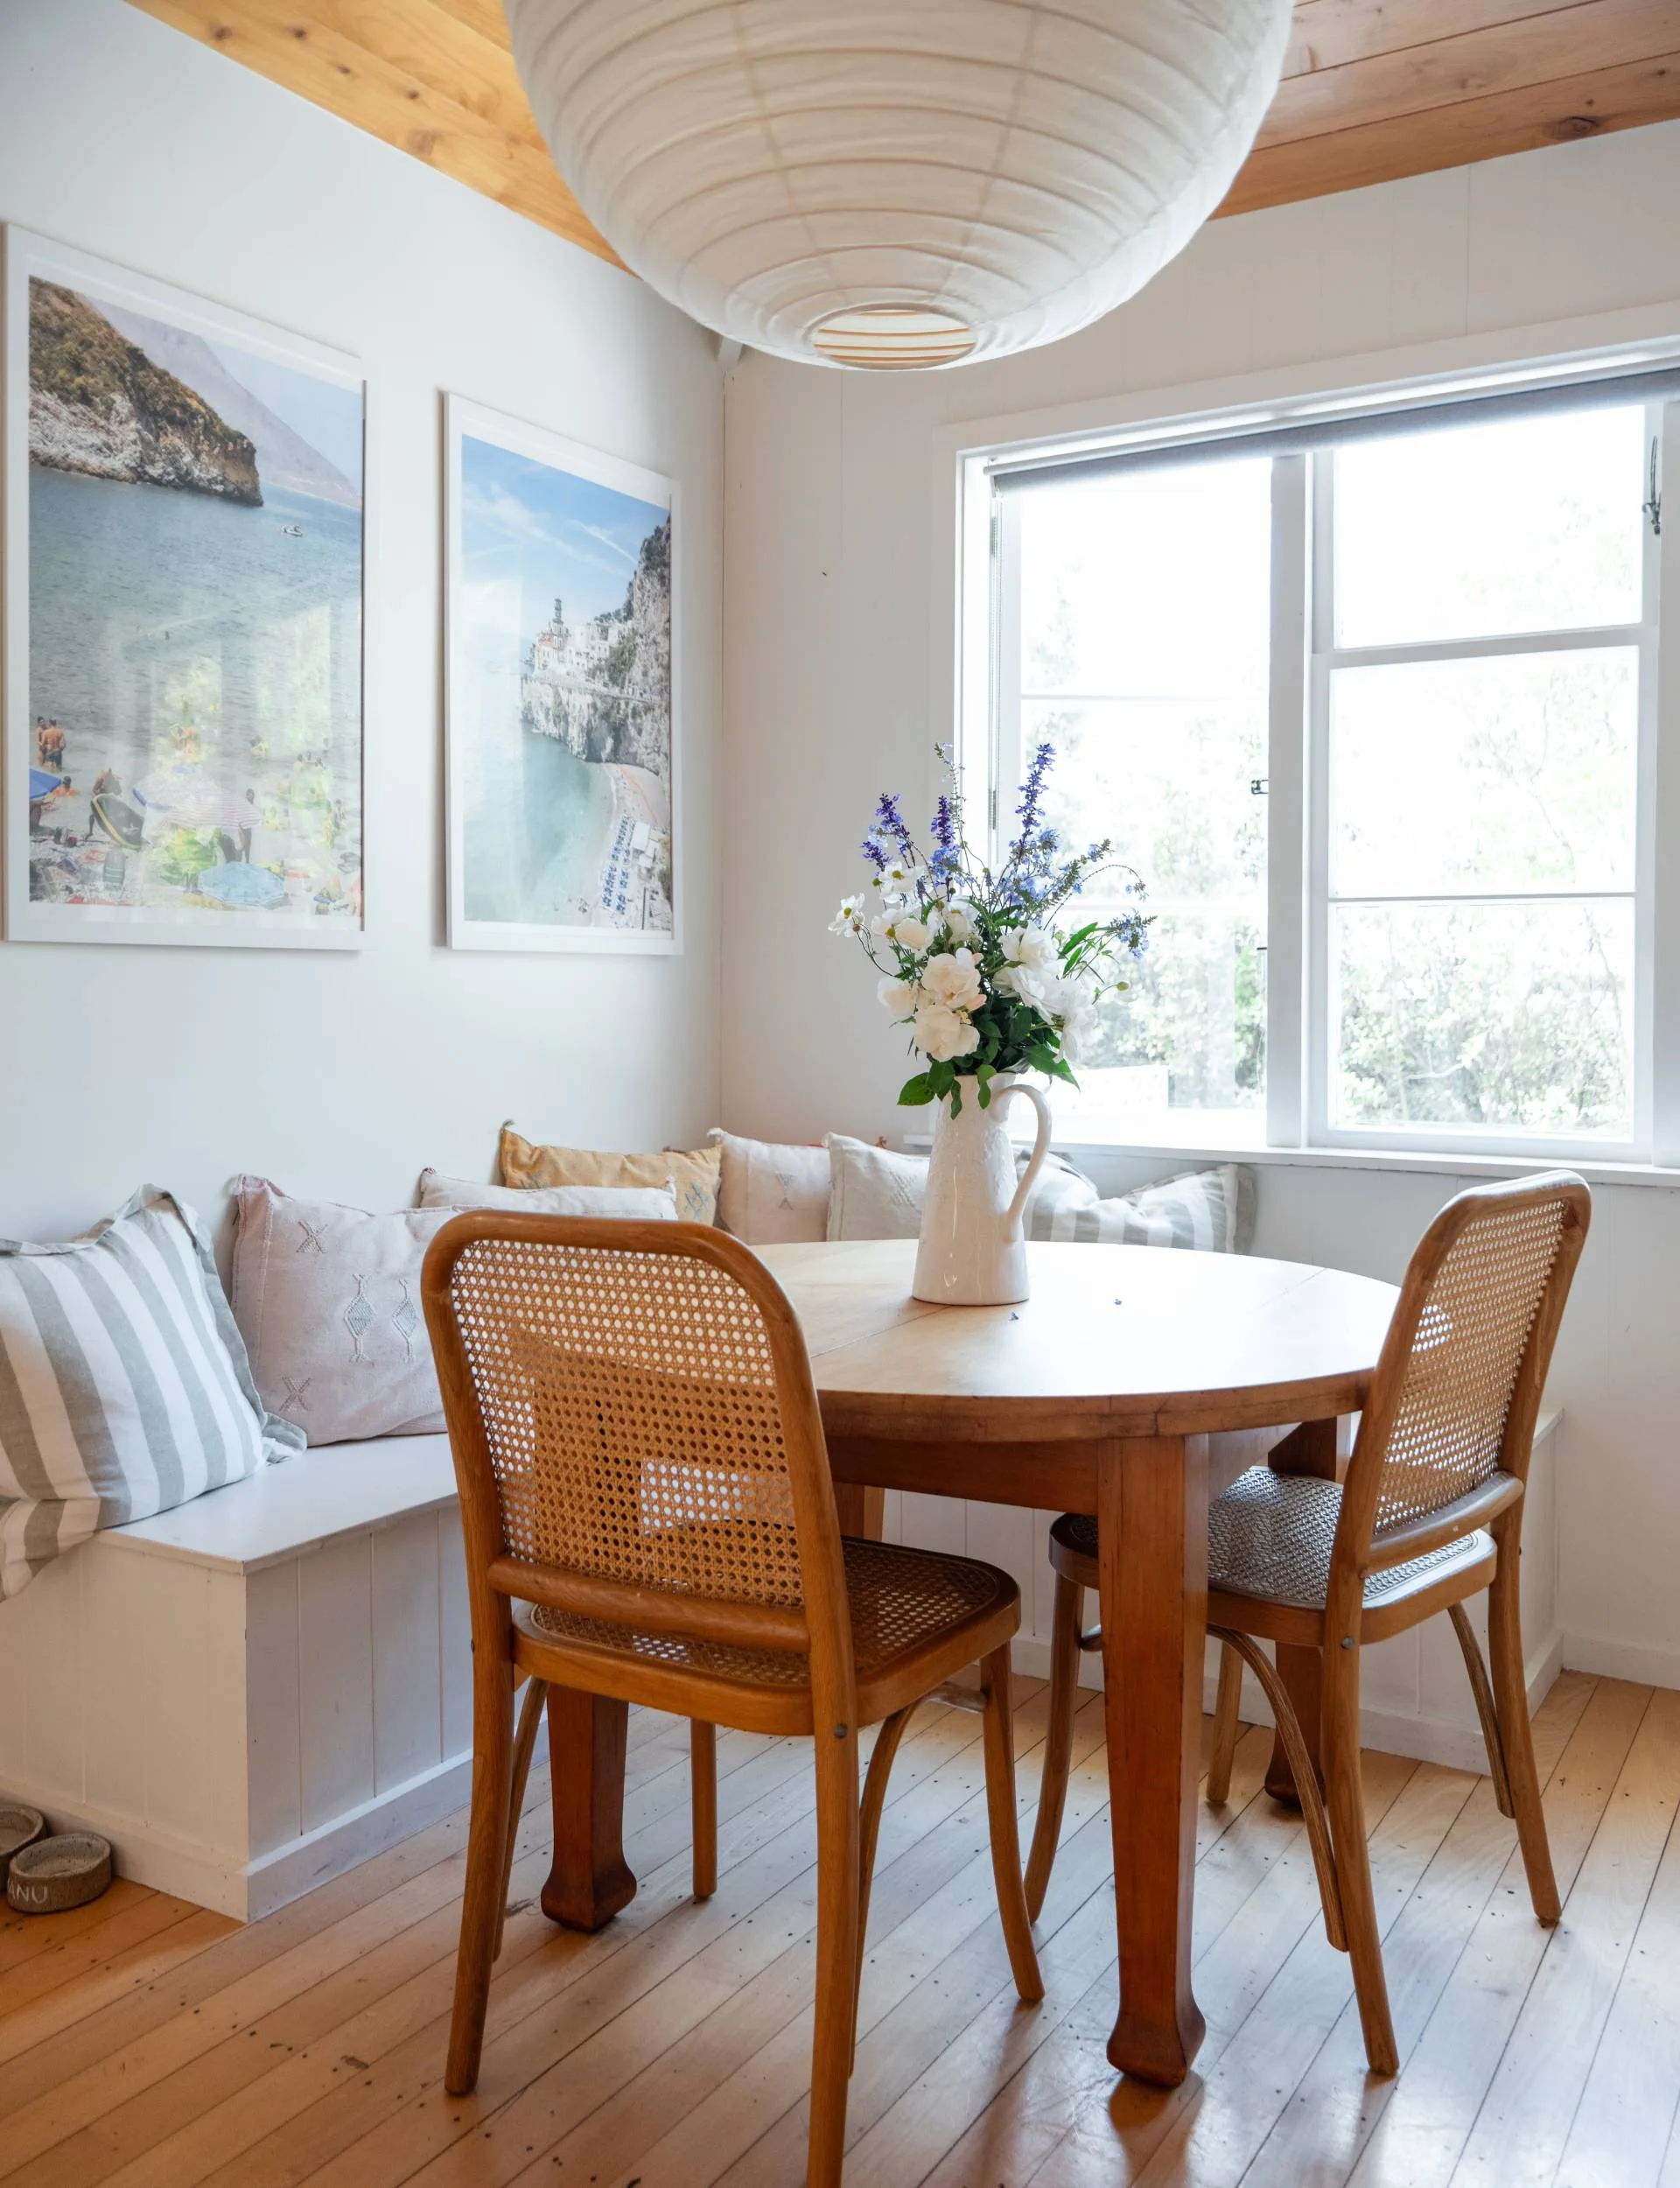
(986, 668)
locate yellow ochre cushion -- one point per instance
(692, 1172)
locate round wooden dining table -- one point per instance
(1096, 1394)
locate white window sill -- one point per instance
(1444, 1162)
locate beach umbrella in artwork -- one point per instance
(243, 887)
(43, 782)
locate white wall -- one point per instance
(836, 543)
(343, 1075)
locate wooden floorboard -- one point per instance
(144, 2044)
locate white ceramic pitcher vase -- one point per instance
(972, 1253)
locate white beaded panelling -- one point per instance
(1018, 168)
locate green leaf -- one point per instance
(916, 1093)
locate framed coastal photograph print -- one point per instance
(183, 617)
(563, 749)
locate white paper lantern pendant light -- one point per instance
(899, 183)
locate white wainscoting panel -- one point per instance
(251, 1695)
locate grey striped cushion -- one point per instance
(124, 1386)
(1212, 1211)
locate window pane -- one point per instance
(1150, 599)
(1154, 585)
(1534, 524)
(1188, 1034)
(1171, 781)
(1509, 1018)
(1507, 773)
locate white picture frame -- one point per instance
(526, 511)
(282, 659)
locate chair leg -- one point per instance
(703, 1795)
(1226, 1725)
(869, 1826)
(530, 1715)
(487, 1851)
(1345, 1801)
(1059, 1739)
(1511, 1699)
(837, 1871)
(1492, 1738)
(999, 1723)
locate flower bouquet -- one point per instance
(991, 979)
(981, 967)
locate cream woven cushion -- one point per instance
(691, 1172)
(1271, 1535)
(647, 1204)
(772, 1192)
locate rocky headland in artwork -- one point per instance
(99, 405)
(603, 685)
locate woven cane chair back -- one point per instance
(634, 1402)
(1459, 1385)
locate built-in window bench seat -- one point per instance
(255, 1691)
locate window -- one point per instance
(1374, 717)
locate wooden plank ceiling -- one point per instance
(1373, 89)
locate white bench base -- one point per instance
(252, 1694)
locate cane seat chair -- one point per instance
(649, 1516)
(1430, 1514)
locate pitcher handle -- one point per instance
(1010, 1222)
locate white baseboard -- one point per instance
(1425, 1739)
(1621, 1659)
(356, 1836)
(192, 1869)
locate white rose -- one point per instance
(953, 979)
(897, 997)
(1014, 979)
(1070, 1010)
(849, 919)
(959, 920)
(909, 932)
(943, 1033)
(1030, 948)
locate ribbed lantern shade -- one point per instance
(898, 182)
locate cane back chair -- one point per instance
(648, 1515)
(1430, 1514)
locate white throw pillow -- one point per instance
(878, 1193)
(772, 1193)
(650, 1204)
(124, 1387)
(875, 1192)
(327, 1299)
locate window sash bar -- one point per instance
(1490, 896)
(1589, 638)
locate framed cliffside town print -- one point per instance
(184, 557)
(562, 751)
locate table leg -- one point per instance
(1309, 1450)
(1152, 1514)
(860, 1509)
(590, 1880)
